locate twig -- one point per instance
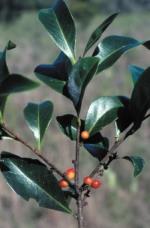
(36, 152)
(77, 156)
(79, 198)
(110, 152)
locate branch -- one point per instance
(77, 156)
(110, 156)
(36, 152)
(79, 198)
(110, 152)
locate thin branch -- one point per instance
(80, 211)
(110, 152)
(36, 152)
(77, 171)
(102, 165)
(77, 156)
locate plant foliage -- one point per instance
(70, 76)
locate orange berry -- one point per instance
(70, 173)
(63, 183)
(96, 184)
(85, 135)
(87, 180)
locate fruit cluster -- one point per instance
(70, 175)
(94, 183)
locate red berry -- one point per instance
(87, 180)
(63, 183)
(85, 135)
(96, 184)
(70, 173)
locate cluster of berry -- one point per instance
(70, 175)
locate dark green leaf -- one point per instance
(124, 116)
(80, 76)
(98, 151)
(4, 72)
(95, 139)
(60, 25)
(68, 125)
(101, 112)
(140, 99)
(16, 83)
(147, 44)
(38, 117)
(111, 48)
(136, 72)
(137, 162)
(55, 75)
(99, 31)
(31, 179)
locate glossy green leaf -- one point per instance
(80, 76)
(68, 125)
(137, 162)
(38, 117)
(31, 179)
(111, 48)
(124, 116)
(101, 112)
(136, 72)
(55, 75)
(99, 31)
(140, 99)
(98, 151)
(59, 23)
(16, 83)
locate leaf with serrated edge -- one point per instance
(102, 112)
(38, 117)
(137, 162)
(31, 179)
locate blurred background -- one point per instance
(123, 201)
